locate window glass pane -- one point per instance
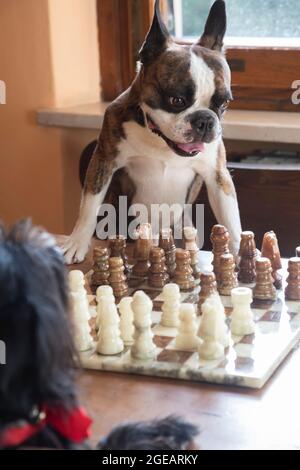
(246, 18)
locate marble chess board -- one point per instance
(250, 360)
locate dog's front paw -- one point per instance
(75, 248)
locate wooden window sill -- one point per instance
(263, 126)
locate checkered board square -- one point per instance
(249, 362)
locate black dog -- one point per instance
(38, 403)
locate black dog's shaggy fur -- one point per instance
(39, 369)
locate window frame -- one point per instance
(262, 77)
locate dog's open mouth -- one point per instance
(183, 150)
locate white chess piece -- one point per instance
(217, 316)
(80, 311)
(190, 235)
(109, 342)
(126, 325)
(187, 339)
(171, 305)
(101, 292)
(213, 330)
(242, 322)
(143, 346)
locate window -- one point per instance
(250, 22)
(263, 45)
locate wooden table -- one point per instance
(230, 417)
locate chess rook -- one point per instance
(80, 311)
(117, 247)
(183, 275)
(270, 249)
(117, 278)
(228, 277)
(247, 254)
(100, 267)
(208, 286)
(190, 244)
(143, 347)
(242, 322)
(187, 339)
(171, 305)
(166, 242)
(157, 274)
(264, 288)
(220, 246)
(292, 291)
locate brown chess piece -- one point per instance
(190, 244)
(144, 232)
(142, 253)
(100, 267)
(292, 291)
(270, 250)
(166, 242)
(183, 275)
(117, 278)
(157, 275)
(264, 288)
(220, 241)
(117, 246)
(208, 286)
(228, 276)
(248, 255)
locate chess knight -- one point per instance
(162, 138)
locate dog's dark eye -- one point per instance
(225, 105)
(176, 101)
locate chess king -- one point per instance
(162, 138)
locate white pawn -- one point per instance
(242, 322)
(212, 329)
(80, 312)
(143, 346)
(171, 305)
(218, 312)
(101, 292)
(187, 339)
(109, 342)
(126, 325)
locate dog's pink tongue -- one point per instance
(194, 147)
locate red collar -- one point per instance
(73, 424)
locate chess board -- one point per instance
(249, 362)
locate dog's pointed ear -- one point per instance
(157, 38)
(215, 27)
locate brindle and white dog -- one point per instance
(164, 132)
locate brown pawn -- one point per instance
(264, 288)
(117, 278)
(101, 267)
(228, 277)
(142, 253)
(248, 255)
(117, 246)
(292, 291)
(190, 244)
(157, 276)
(220, 240)
(208, 287)
(183, 275)
(166, 242)
(270, 250)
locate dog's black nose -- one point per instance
(203, 123)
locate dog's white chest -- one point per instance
(158, 182)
